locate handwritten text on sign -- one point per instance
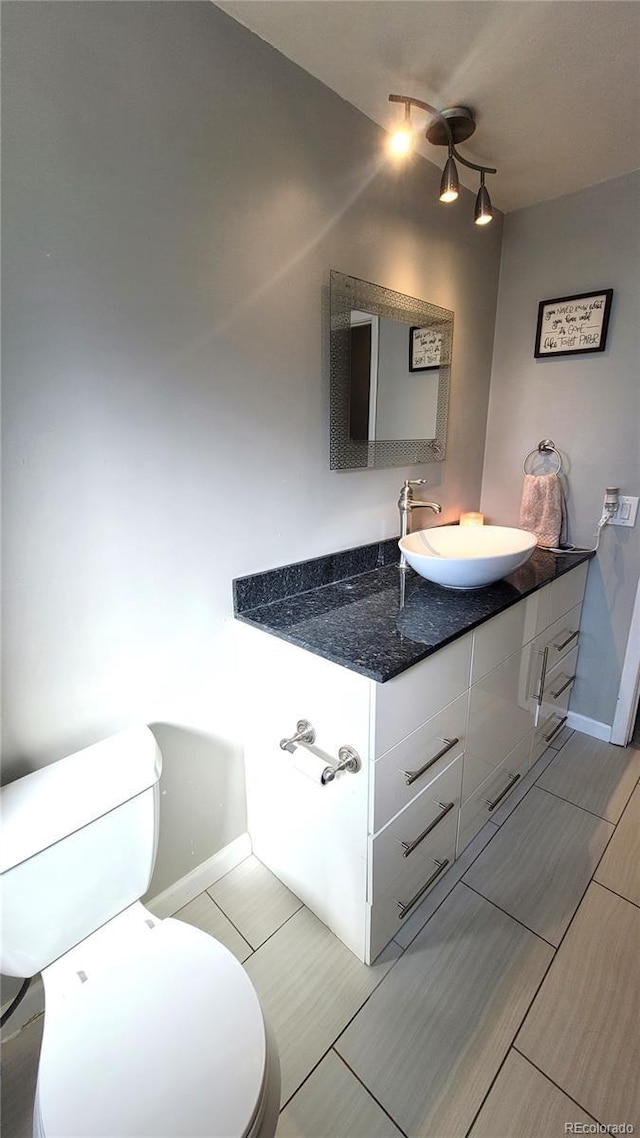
(425, 349)
(573, 324)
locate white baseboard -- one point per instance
(588, 726)
(184, 890)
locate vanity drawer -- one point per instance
(403, 704)
(547, 730)
(480, 806)
(500, 716)
(559, 684)
(553, 644)
(540, 605)
(409, 767)
(399, 853)
(568, 591)
(507, 633)
(555, 701)
(393, 905)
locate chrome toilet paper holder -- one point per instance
(305, 736)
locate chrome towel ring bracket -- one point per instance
(545, 446)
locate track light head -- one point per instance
(401, 142)
(449, 184)
(483, 212)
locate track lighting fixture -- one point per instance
(448, 127)
(449, 185)
(401, 141)
(483, 212)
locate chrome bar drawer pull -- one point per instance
(557, 728)
(513, 778)
(409, 847)
(305, 733)
(543, 676)
(411, 776)
(404, 909)
(566, 684)
(570, 637)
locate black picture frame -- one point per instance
(425, 347)
(573, 325)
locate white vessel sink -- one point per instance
(467, 557)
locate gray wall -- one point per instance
(176, 193)
(407, 401)
(588, 404)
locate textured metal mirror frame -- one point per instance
(349, 293)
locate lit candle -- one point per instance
(473, 518)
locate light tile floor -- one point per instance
(507, 1007)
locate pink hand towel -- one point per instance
(541, 510)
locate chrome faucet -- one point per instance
(407, 503)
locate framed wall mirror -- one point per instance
(390, 364)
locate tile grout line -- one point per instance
(553, 958)
(233, 925)
(576, 804)
(512, 1047)
(272, 934)
(305, 1080)
(615, 828)
(556, 1085)
(231, 922)
(507, 914)
(369, 1092)
(342, 1031)
(615, 893)
(380, 981)
(342, 1060)
(585, 808)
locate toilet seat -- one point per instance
(152, 1028)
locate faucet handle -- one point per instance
(406, 494)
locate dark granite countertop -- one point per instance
(358, 609)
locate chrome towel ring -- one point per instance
(545, 446)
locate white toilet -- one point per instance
(152, 1028)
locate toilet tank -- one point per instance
(79, 840)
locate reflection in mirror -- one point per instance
(390, 362)
(393, 380)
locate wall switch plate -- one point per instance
(626, 513)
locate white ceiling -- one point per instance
(554, 84)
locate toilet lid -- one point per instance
(167, 1042)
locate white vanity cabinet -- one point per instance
(441, 745)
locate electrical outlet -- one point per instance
(626, 513)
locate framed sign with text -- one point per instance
(424, 349)
(573, 325)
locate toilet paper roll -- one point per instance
(310, 765)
